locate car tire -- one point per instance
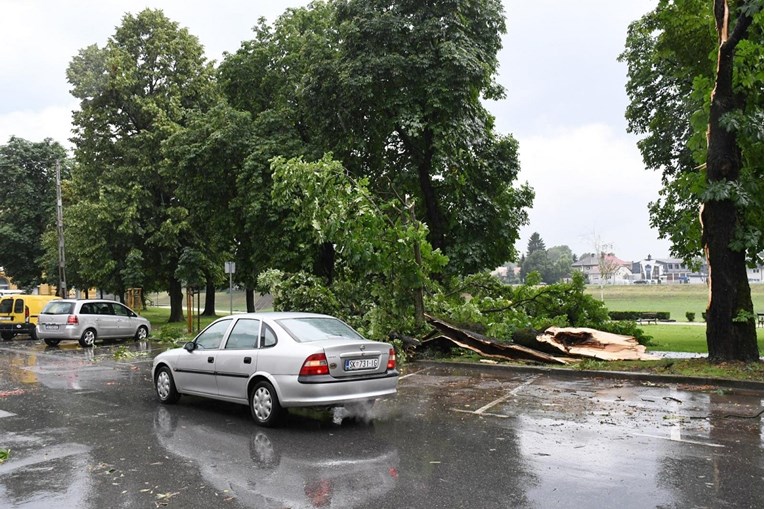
(264, 405)
(52, 342)
(141, 334)
(33, 333)
(7, 336)
(88, 338)
(164, 385)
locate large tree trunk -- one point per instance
(209, 299)
(324, 263)
(249, 295)
(434, 218)
(176, 301)
(731, 328)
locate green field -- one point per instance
(675, 299)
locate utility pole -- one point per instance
(60, 230)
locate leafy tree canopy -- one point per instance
(134, 93)
(27, 205)
(394, 92)
(670, 83)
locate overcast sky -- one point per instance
(565, 99)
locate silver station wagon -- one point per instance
(274, 361)
(87, 320)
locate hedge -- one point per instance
(635, 315)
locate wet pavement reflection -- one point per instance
(85, 430)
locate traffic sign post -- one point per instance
(230, 268)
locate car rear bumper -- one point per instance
(63, 332)
(16, 328)
(334, 392)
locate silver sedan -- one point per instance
(274, 361)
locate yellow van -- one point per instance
(18, 314)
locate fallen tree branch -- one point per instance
(487, 346)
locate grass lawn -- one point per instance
(684, 338)
(675, 299)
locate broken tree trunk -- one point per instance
(584, 342)
(487, 346)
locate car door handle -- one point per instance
(248, 360)
(211, 359)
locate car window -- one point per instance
(58, 308)
(86, 309)
(268, 337)
(244, 335)
(316, 329)
(120, 310)
(211, 337)
(6, 305)
(18, 306)
(104, 308)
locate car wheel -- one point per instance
(33, 333)
(165, 386)
(88, 338)
(141, 334)
(264, 404)
(52, 342)
(7, 336)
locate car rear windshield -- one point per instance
(58, 308)
(6, 305)
(315, 329)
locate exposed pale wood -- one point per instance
(585, 342)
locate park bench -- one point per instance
(761, 319)
(648, 318)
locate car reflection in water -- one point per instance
(312, 466)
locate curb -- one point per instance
(722, 383)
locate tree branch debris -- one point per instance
(556, 345)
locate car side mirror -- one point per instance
(190, 346)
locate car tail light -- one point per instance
(315, 364)
(392, 359)
(72, 320)
(26, 314)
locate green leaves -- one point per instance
(670, 84)
(27, 205)
(137, 91)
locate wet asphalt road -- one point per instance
(85, 431)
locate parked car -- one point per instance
(19, 313)
(274, 361)
(88, 320)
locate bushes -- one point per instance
(636, 315)
(483, 304)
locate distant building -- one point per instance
(604, 269)
(667, 270)
(754, 275)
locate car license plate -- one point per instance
(5, 317)
(356, 364)
(51, 326)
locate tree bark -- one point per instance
(176, 301)
(249, 295)
(324, 263)
(435, 220)
(731, 327)
(209, 299)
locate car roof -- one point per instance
(88, 300)
(276, 315)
